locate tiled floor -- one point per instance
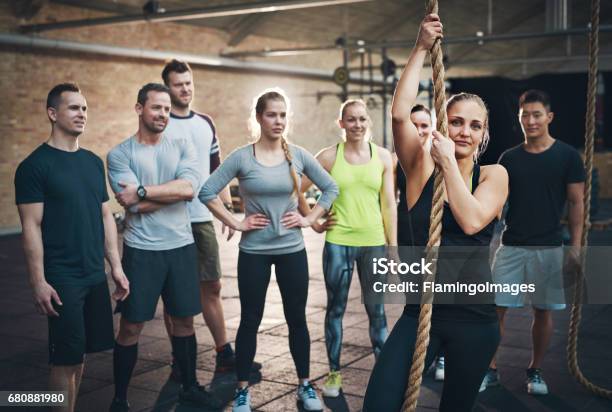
(23, 351)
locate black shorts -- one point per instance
(84, 324)
(171, 274)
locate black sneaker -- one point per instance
(255, 366)
(200, 397)
(119, 405)
(225, 361)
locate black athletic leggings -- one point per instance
(468, 349)
(253, 278)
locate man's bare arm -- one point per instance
(575, 211)
(111, 251)
(31, 215)
(170, 192)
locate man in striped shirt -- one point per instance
(200, 128)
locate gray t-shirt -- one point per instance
(136, 163)
(267, 190)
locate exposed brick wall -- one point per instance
(603, 163)
(110, 86)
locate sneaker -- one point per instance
(175, 373)
(199, 397)
(439, 372)
(225, 361)
(333, 384)
(242, 400)
(307, 396)
(491, 378)
(119, 405)
(535, 383)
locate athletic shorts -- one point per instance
(84, 324)
(541, 267)
(171, 274)
(209, 265)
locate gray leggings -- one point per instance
(338, 263)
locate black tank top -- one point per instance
(462, 257)
(404, 222)
(400, 181)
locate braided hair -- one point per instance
(258, 109)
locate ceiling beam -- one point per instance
(106, 6)
(244, 27)
(402, 16)
(532, 60)
(213, 62)
(26, 9)
(268, 6)
(460, 53)
(535, 49)
(401, 44)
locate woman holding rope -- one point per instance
(467, 333)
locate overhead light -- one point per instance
(480, 34)
(360, 43)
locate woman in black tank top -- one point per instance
(468, 333)
(420, 116)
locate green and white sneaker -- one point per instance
(333, 384)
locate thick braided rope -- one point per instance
(572, 345)
(435, 231)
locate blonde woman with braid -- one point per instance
(269, 173)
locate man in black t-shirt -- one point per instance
(68, 228)
(544, 173)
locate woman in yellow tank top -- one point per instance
(364, 221)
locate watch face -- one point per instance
(141, 192)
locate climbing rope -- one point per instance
(435, 230)
(575, 314)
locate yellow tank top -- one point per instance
(357, 208)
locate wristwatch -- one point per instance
(229, 207)
(141, 192)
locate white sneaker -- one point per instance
(439, 373)
(535, 383)
(242, 400)
(307, 396)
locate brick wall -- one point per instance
(110, 85)
(603, 163)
